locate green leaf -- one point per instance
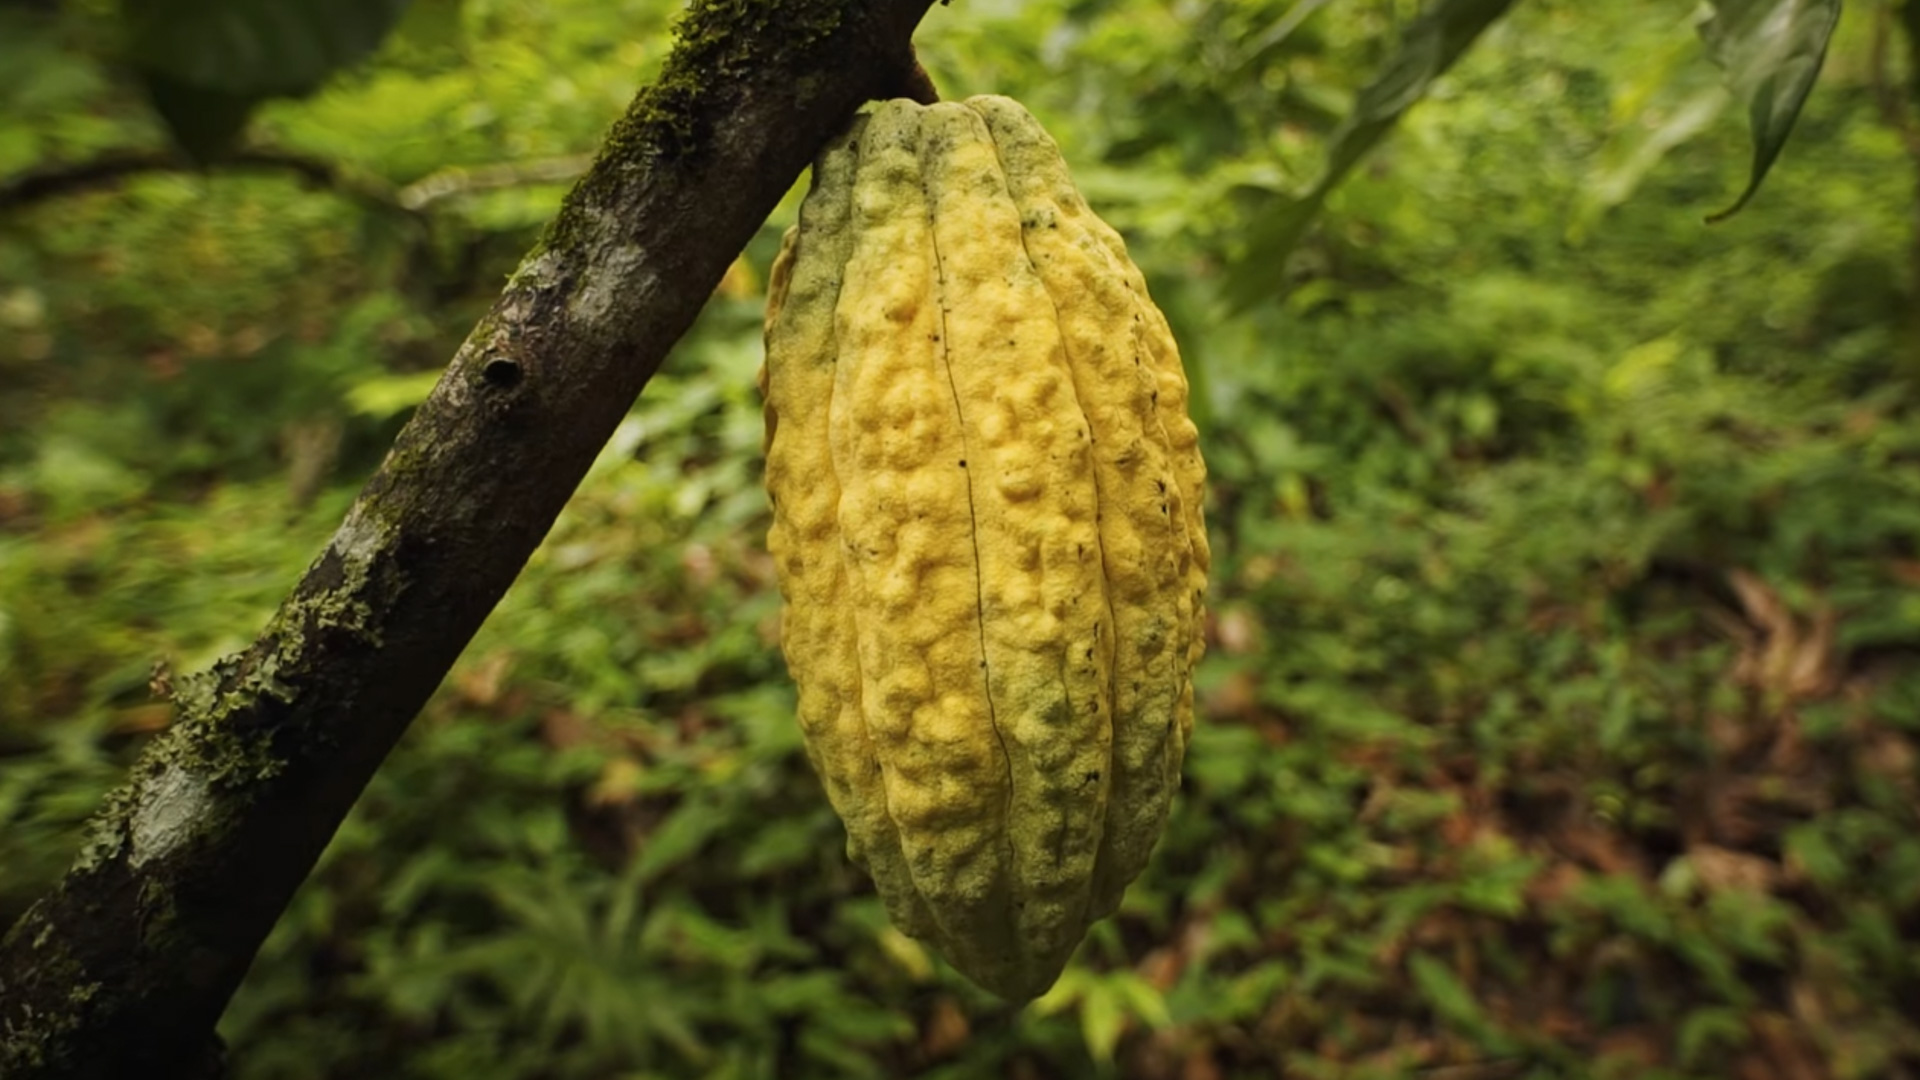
(1444, 991)
(258, 48)
(682, 834)
(844, 1060)
(1711, 1033)
(385, 395)
(1102, 1017)
(782, 844)
(1771, 52)
(1630, 157)
(1141, 999)
(1452, 1000)
(204, 121)
(207, 63)
(1431, 45)
(1287, 24)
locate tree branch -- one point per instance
(465, 180)
(125, 967)
(110, 168)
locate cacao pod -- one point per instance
(987, 528)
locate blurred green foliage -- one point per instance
(1562, 714)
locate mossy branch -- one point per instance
(125, 967)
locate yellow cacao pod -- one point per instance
(986, 523)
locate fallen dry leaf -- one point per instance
(947, 1030)
(1788, 659)
(1723, 869)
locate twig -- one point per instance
(465, 180)
(72, 178)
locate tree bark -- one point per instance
(126, 966)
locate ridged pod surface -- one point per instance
(987, 527)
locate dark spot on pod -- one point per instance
(963, 463)
(501, 373)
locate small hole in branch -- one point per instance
(502, 373)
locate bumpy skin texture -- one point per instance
(987, 526)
